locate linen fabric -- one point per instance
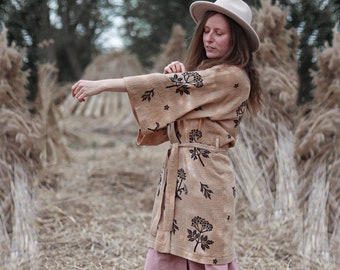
(199, 113)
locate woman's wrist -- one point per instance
(113, 85)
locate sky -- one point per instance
(111, 38)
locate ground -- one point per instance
(94, 211)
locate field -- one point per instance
(77, 193)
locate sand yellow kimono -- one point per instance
(199, 113)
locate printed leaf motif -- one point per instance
(192, 235)
(156, 128)
(148, 95)
(205, 242)
(174, 227)
(206, 191)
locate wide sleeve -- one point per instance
(159, 99)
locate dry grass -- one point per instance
(19, 160)
(77, 193)
(88, 209)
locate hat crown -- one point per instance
(238, 7)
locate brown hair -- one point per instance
(239, 55)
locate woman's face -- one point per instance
(216, 36)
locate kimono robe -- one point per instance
(199, 113)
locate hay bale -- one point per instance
(174, 50)
(294, 154)
(53, 142)
(112, 65)
(20, 150)
(318, 132)
(277, 63)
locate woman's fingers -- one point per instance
(181, 67)
(76, 88)
(174, 67)
(79, 90)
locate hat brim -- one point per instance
(199, 8)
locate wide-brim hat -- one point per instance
(237, 10)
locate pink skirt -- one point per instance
(164, 261)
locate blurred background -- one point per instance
(75, 190)
(71, 33)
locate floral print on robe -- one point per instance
(198, 112)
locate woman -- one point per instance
(197, 106)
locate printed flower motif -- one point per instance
(201, 226)
(181, 174)
(198, 153)
(195, 135)
(184, 80)
(180, 186)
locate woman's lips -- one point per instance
(209, 48)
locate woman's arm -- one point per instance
(84, 88)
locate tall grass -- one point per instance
(19, 160)
(293, 151)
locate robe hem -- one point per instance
(178, 251)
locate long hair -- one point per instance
(238, 55)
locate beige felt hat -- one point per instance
(237, 10)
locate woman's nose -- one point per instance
(208, 37)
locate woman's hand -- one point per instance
(174, 67)
(85, 88)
